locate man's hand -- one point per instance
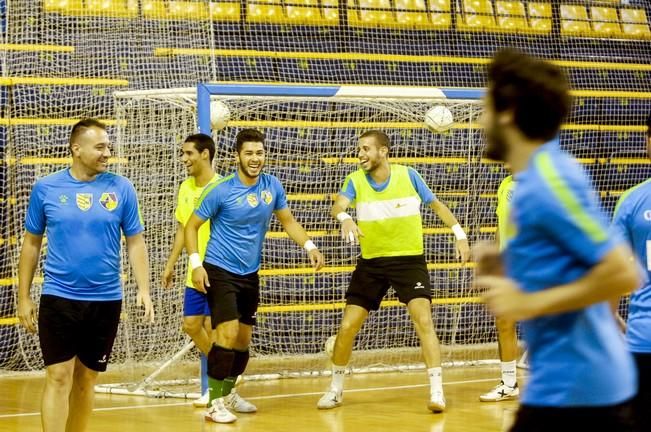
(463, 250)
(200, 279)
(316, 259)
(167, 277)
(27, 314)
(488, 259)
(505, 299)
(350, 231)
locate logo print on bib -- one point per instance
(84, 201)
(266, 197)
(109, 200)
(252, 199)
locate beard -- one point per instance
(247, 171)
(495, 144)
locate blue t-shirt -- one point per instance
(424, 192)
(576, 358)
(632, 220)
(83, 222)
(239, 219)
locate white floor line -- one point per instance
(279, 396)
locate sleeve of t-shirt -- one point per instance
(619, 225)
(425, 193)
(281, 197)
(574, 220)
(348, 189)
(132, 222)
(209, 203)
(178, 212)
(35, 219)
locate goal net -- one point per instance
(311, 147)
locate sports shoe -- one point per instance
(501, 392)
(218, 412)
(436, 402)
(203, 401)
(331, 399)
(238, 404)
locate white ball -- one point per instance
(329, 346)
(220, 115)
(439, 118)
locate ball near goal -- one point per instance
(220, 115)
(439, 118)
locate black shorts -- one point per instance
(643, 399)
(612, 418)
(372, 278)
(232, 296)
(86, 329)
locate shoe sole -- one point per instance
(246, 412)
(329, 407)
(207, 417)
(505, 398)
(435, 408)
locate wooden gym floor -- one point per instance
(372, 402)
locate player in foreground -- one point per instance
(390, 232)
(561, 266)
(239, 207)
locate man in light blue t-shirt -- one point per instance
(240, 207)
(561, 266)
(632, 220)
(83, 210)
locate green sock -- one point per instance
(229, 383)
(215, 389)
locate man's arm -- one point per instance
(446, 216)
(610, 278)
(137, 251)
(349, 229)
(177, 247)
(191, 234)
(29, 255)
(297, 233)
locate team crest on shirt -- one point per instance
(252, 199)
(84, 201)
(266, 197)
(109, 200)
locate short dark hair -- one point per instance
(535, 90)
(81, 126)
(248, 135)
(202, 142)
(381, 139)
(648, 126)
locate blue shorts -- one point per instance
(195, 303)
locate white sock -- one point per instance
(508, 373)
(338, 374)
(435, 379)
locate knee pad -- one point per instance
(220, 362)
(240, 360)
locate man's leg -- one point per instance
(354, 317)
(508, 347)
(55, 402)
(82, 397)
(420, 310)
(240, 360)
(193, 326)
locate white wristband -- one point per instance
(458, 232)
(195, 261)
(309, 246)
(343, 216)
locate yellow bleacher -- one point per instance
(440, 14)
(634, 23)
(574, 21)
(511, 16)
(476, 15)
(371, 13)
(105, 8)
(308, 12)
(605, 22)
(540, 17)
(266, 12)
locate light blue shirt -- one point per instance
(239, 219)
(83, 223)
(576, 358)
(632, 220)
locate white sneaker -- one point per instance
(331, 399)
(238, 404)
(436, 402)
(218, 412)
(501, 392)
(203, 401)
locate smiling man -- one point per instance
(85, 210)
(389, 229)
(239, 207)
